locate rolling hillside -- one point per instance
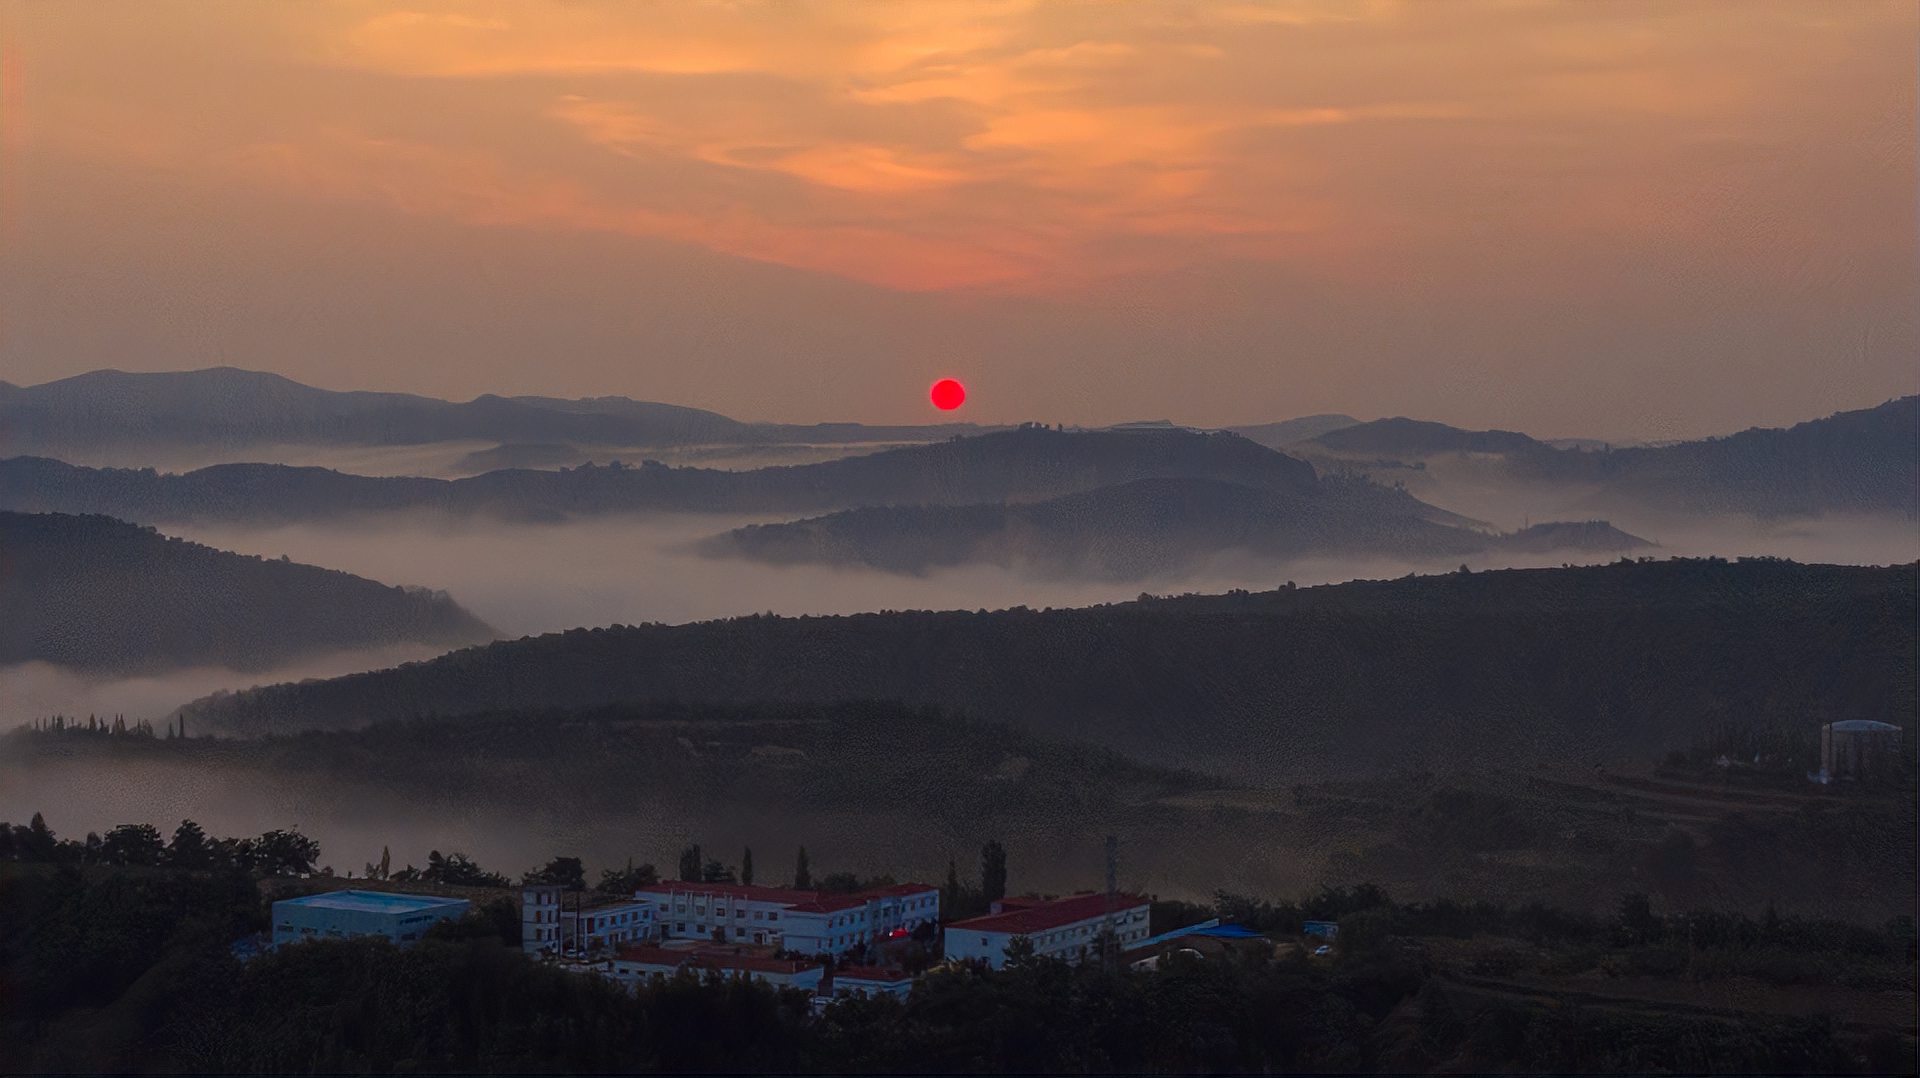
(1590, 664)
(1029, 463)
(1864, 461)
(1135, 530)
(100, 594)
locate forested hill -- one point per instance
(1020, 464)
(1490, 669)
(101, 594)
(1134, 530)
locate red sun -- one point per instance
(948, 394)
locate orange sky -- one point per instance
(1622, 219)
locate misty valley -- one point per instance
(1479, 680)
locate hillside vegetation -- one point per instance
(1600, 663)
(101, 594)
(1149, 526)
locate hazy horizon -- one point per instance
(1621, 222)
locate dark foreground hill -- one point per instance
(101, 594)
(1486, 669)
(1149, 526)
(1023, 464)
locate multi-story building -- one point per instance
(1065, 928)
(602, 928)
(836, 924)
(401, 918)
(540, 918)
(809, 922)
(641, 965)
(738, 912)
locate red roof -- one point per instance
(1027, 917)
(661, 956)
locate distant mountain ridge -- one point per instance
(1024, 464)
(228, 406)
(1421, 437)
(1861, 461)
(1288, 432)
(100, 594)
(1590, 664)
(1136, 529)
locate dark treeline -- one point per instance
(275, 853)
(127, 965)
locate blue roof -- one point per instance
(1229, 932)
(372, 901)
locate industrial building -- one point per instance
(1065, 928)
(402, 919)
(1858, 749)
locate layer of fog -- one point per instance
(444, 460)
(1478, 487)
(37, 690)
(527, 579)
(532, 578)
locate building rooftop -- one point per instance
(1025, 916)
(371, 901)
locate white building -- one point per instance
(836, 924)
(602, 928)
(740, 912)
(1066, 928)
(634, 966)
(401, 918)
(809, 922)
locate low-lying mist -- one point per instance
(446, 460)
(534, 578)
(38, 689)
(526, 579)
